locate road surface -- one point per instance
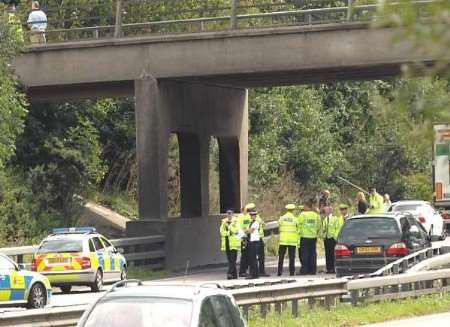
(437, 320)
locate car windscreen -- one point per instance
(60, 246)
(369, 228)
(141, 312)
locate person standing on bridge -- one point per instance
(309, 229)
(14, 21)
(231, 243)
(288, 226)
(37, 21)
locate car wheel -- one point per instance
(97, 285)
(66, 288)
(37, 299)
(123, 273)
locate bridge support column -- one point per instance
(196, 113)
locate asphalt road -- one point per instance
(437, 320)
(83, 295)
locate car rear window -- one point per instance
(59, 246)
(407, 207)
(369, 228)
(141, 312)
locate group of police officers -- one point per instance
(299, 227)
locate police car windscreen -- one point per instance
(60, 246)
(141, 312)
(369, 228)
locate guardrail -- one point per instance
(133, 18)
(398, 286)
(147, 250)
(408, 262)
(324, 293)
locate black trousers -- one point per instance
(291, 253)
(308, 256)
(232, 258)
(253, 248)
(262, 258)
(329, 244)
(243, 266)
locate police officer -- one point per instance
(231, 243)
(253, 245)
(288, 226)
(343, 212)
(244, 221)
(376, 202)
(309, 228)
(261, 248)
(331, 225)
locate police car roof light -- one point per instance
(74, 230)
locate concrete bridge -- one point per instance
(195, 85)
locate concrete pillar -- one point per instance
(152, 135)
(190, 175)
(230, 191)
(195, 112)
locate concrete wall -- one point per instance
(194, 240)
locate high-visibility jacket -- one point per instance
(331, 226)
(261, 226)
(230, 230)
(288, 225)
(16, 26)
(244, 221)
(376, 204)
(309, 224)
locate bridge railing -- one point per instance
(130, 18)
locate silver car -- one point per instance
(163, 306)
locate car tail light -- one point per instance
(341, 250)
(85, 263)
(422, 220)
(397, 249)
(445, 215)
(33, 265)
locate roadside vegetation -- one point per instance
(344, 315)
(54, 157)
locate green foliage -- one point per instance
(344, 315)
(22, 219)
(426, 27)
(12, 102)
(61, 155)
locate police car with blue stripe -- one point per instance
(19, 287)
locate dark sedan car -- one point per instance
(367, 243)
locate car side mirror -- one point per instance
(414, 230)
(120, 250)
(20, 266)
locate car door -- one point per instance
(113, 258)
(12, 282)
(420, 240)
(103, 257)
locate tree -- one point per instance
(12, 101)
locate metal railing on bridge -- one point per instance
(131, 18)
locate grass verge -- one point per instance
(146, 273)
(344, 315)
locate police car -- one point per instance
(79, 256)
(19, 287)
